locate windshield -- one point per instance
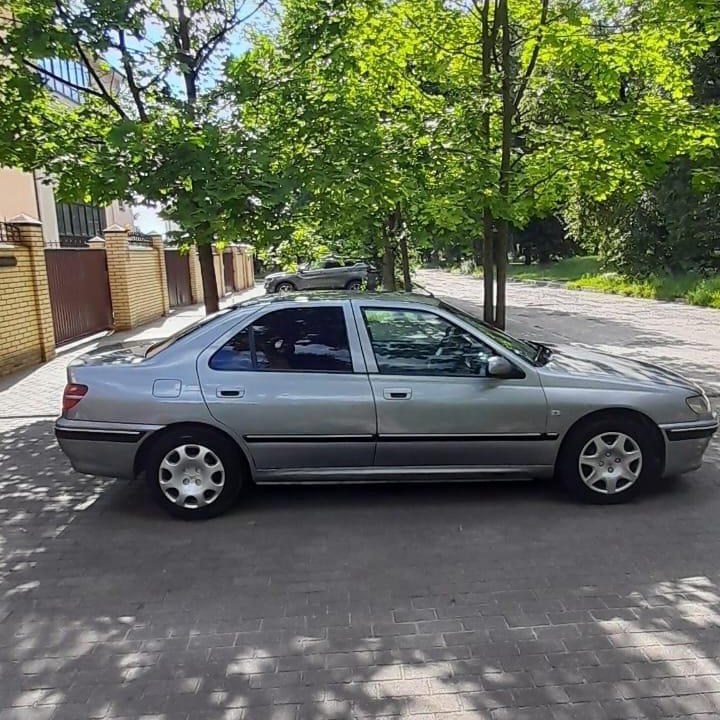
(167, 342)
(526, 350)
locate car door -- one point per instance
(329, 276)
(292, 382)
(436, 404)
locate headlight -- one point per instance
(699, 404)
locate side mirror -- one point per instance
(500, 367)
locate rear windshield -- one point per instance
(158, 347)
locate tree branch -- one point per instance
(104, 93)
(206, 50)
(533, 58)
(542, 180)
(130, 77)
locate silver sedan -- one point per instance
(340, 387)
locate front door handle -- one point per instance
(226, 392)
(397, 393)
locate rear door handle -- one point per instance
(397, 393)
(225, 392)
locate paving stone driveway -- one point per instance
(439, 601)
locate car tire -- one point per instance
(200, 463)
(284, 287)
(354, 285)
(601, 453)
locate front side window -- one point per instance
(416, 342)
(292, 340)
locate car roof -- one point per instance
(401, 298)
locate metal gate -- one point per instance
(79, 292)
(229, 271)
(177, 268)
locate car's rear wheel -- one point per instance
(284, 287)
(194, 474)
(608, 460)
(353, 285)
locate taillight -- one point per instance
(73, 395)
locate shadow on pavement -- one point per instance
(497, 600)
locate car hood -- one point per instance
(126, 353)
(581, 361)
(277, 275)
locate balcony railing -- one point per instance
(9, 233)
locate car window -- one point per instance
(332, 263)
(520, 347)
(416, 342)
(293, 340)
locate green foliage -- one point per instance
(692, 288)
(348, 125)
(673, 225)
(706, 292)
(670, 229)
(386, 107)
(562, 271)
(149, 127)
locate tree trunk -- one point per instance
(404, 258)
(501, 267)
(209, 283)
(478, 251)
(388, 264)
(488, 264)
(508, 111)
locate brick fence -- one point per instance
(137, 280)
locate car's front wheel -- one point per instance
(608, 460)
(194, 474)
(284, 287)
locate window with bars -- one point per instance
(62, 77)
(78, 222)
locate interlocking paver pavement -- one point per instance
(439, 602)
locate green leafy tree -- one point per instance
(151, 126)
(350, 134)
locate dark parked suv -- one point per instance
(330, 273)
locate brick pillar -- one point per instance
(196, 287)
(219, 275)
(237, 267)
(248, 253)
(159, 247)
(117, 252)
(96, 243)
(31, 235)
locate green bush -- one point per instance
(706, 292)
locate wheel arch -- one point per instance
(614, 412)
(148, 441)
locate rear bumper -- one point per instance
(104, 449)
(686, 444)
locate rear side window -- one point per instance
(292, 340)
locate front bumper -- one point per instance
(105, 449)
(686, 444)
